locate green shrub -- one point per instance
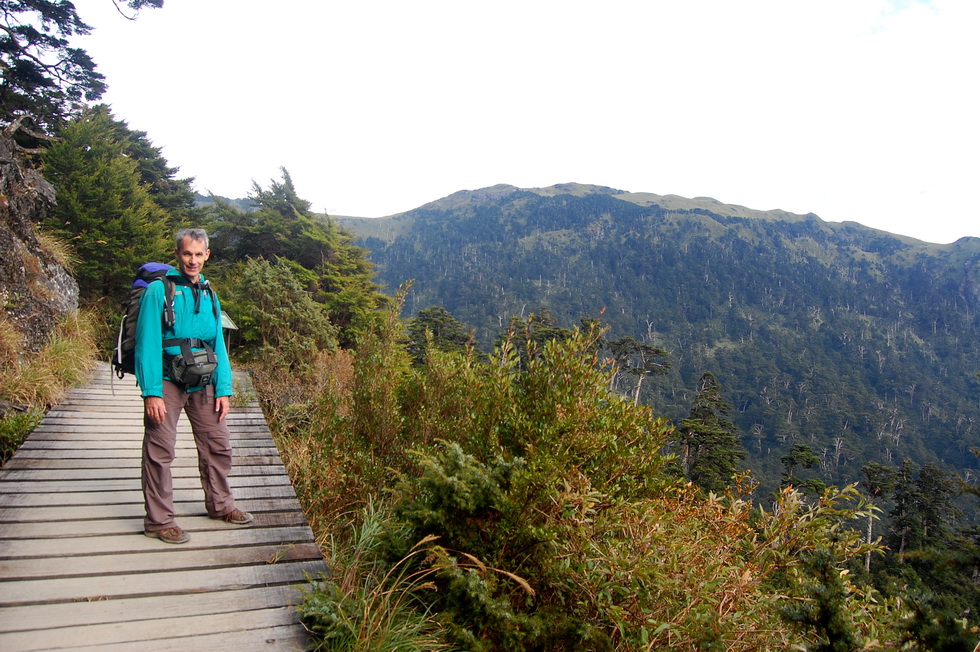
(14, 429)
(277, 318)
(528, 508)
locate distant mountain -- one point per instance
(860, 343)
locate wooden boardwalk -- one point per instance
(76, 572)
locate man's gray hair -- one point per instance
(199, 235)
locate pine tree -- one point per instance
(103, 209)
(530, 335)
(321, 255)
(799, 455)
(175, 196)
(639, 360)
(44, 78)
(448, 333)
(905, 532)
(711, 450)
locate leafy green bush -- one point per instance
(14, 429)
(528, 508)
(275, 315)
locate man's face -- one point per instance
(191, 256)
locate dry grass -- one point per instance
(61, 250)
(10, 341)
(32, 384)
(40, 380)
(305, 416)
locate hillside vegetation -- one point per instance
(855, 342)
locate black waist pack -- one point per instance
(190, 368)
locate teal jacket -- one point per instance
(189, 322)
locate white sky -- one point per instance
(863, 110)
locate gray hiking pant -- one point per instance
(213, 455)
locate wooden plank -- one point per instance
(284, 639)
(126, 434)
(188, 480)
(71, 448)
(133, 426)
(134, 525)
(73, 498)
(129, 415)
(77, 573)
(11, 549)
(162, 629)
(72, 473)
(183, 557)
(113, 510)
(39, 591)
(69, 614)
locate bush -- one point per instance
(277, 318)
(14, 429)
(525, 507)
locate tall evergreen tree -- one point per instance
(174, 195)
(448, 333)
(800, 455)
(937, 488)
(323, 257)
(529, 335)
(639, 360)
(905, 532)
(924, 508)
(103, 209)
(711, 450)
(44, 78)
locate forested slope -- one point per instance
(859, 343)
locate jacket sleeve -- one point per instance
(149, 341)
(223, 384)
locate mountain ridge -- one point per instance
(813, 328)
(670, 202)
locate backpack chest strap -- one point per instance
(193, 342)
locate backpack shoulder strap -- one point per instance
(214, 302)
(168, 303)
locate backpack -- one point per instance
(124, 358)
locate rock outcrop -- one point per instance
(35, 289)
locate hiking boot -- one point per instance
(236, 517)
(169, 535)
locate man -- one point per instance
(196, 327)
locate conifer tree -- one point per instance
(44, 78)
(710, 447)
(176, 196)
(323, 257)
(937, 487)
(448, 333)
(799, 455)
(639, 360)
(103, 209)
(924, 508)
(905, 529)
(530, 335)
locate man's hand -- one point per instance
(221, 406)
(155, 409)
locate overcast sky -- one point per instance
(863, 110)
